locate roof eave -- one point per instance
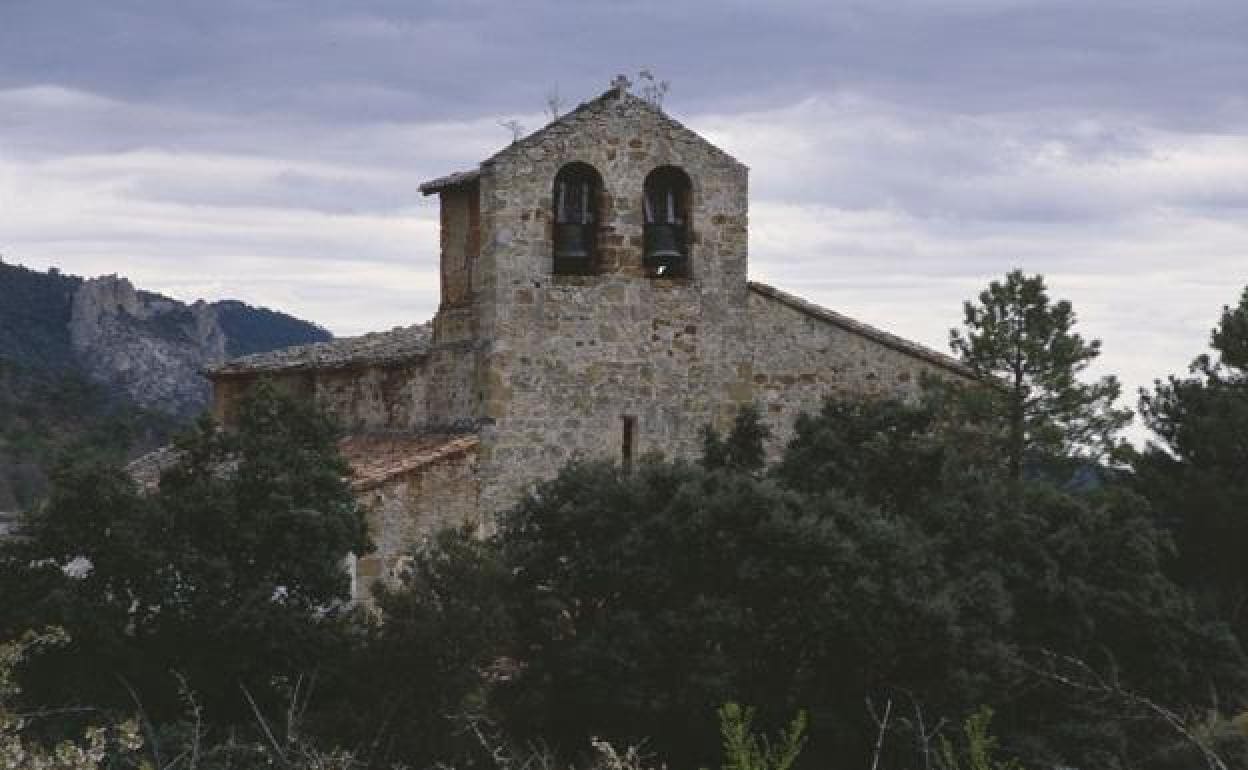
(450, 181)
(323, 366)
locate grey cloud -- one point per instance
(1173, 62)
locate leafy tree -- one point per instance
(743, 449)
(1025, 343)
(426, 654)
(230, 574)
(90, 751)
(877, 559)
(642, 601)
(1027, 569)
(889, 453)
(1195, 475)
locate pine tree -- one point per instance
(1197, 476)
(1026, 344)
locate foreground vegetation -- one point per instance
(986, 578)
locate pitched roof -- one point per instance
(564, 123)
(374, 459)
(401, 344)
(146, 470)
(858, 327)
(568, 122)
(377, 458)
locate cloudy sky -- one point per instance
(902, 153)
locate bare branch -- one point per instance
(554, 102)
(1084, 678)
(881, 722)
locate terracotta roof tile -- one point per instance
(375, 459)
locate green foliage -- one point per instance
(230, 574)
(48, 415)
(743, 450)
(1017, 337)
(979, 747)
(889, 453)
(424, 659)
(95, 748)
(746, 750)
(49, 409)
(638, 598)
(876, 557)
(34, 317)
(1195, 476)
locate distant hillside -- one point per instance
(96, 364)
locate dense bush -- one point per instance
(230, 575)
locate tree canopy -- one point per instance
(229, 574)
(1196, 471)
(1017, 337)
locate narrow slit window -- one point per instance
(627, 441)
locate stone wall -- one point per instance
(460, 240)
(405, 509)
(362, 398)
(228, 392)
(566, 358)
(803, 353)
(374, 398)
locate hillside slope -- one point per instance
(99, 365)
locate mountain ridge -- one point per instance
(98, 364)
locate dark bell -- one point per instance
(664, 244)
(571, 241)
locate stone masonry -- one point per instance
(522, 369)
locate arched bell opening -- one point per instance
(576, 196)
(666, 202)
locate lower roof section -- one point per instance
(378, 458)
(374, 459)
(376, 348)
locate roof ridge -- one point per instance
(468, 175)
(611, 94)
(398, 344)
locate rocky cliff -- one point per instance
(100, 364)
(150, 347)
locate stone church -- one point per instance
(595, 302)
